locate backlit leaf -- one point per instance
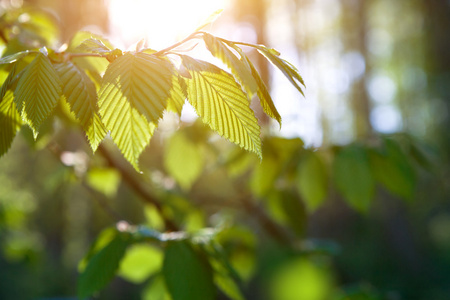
(301, 278)
(220, 102)
(97, 65)
(81, 95)
(210, 19)
(10, 122)
(102, 267)
(286, 67)
(353, 177)
(238, 68)
(140, 262)
(187, 273)
(8, 83)
(178, 95)
(132, 98)
(104, 180)
(93, 45)
(15, 57)
(38, 92)
(183, 160)
(264, 95)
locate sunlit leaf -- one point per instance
(96, 65)
(41, 25)
(8, 83)
(104, 180)
(178, 95)
(183, 160)
(284, 66)
(301, 279)
(93, 45)
(353, 177)
(15, 57)
(103, 239)
(263, 94)
(102, 267)
(187, 273)
(140, 262)
(156, 290)
(132, 98)
(10, 122)
(312, 180)
(240, 69)
(81, 95)
(393, 170)
(37, 92)
(210, 19)
(221, 104)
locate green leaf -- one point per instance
(15, 57)
(238, 68)
(102, 267)
(178, 95)
(286, 67)
(353, 177)
(220, 102)
(301, 278)
(93, 45)
(210, 19)
(264, 175)
(312, 182)
(81, 95)
(132, 98)
(393, 170)
(10, 122)
(183, 160)
(263, 94)
(10, 80)
(187, 273)
(37, 92)
(97, 65)
(104, 180)
(156, 290)
(140, 262)
(42, 25)
(294, 212)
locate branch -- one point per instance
(190, 37)
(130, 178)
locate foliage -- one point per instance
(187, 247)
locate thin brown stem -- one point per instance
(190, 37)
(71, 55)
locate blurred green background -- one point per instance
(378, 91)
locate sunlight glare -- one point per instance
(161, 23)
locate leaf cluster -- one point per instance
(124, 94)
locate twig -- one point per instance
(190, 37)
(134, 184)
